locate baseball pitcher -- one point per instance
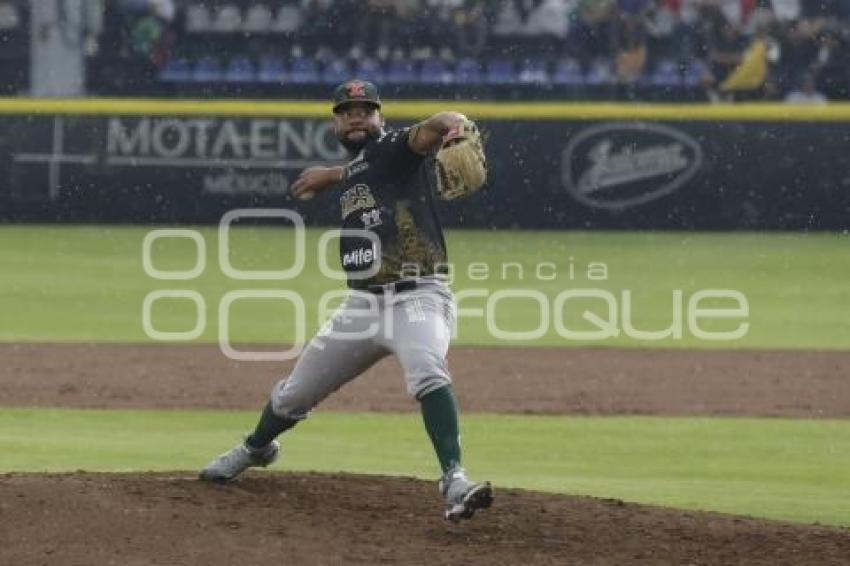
(394, 257)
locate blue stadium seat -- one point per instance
(207, 70)
(693, 73)
(401, 71)
(304, 70)
(240, 70)
(468, 71)
(666, 74)
(501, 71)
(336, 71)
(370, 70)
(601, 72)
(176, 71)
(271, 70)
(434, 71)
(568, 73)
(534, 71)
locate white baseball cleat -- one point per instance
(227, 466)
(464, 497)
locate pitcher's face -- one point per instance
(356, 123)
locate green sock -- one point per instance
(269, 427)
(439, 411)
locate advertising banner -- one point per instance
(543, 174)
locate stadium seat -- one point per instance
(176, 71)
(501, 71)
(534, 71)
(271, 70)
(370, 70)
(601, 72)
(198, 19)
(335, 72)
(240, 70)
(694, 71)
(228, 19)
(258, 19)
(288, 19)
(207, 70)
(666, 74)
(303, 70)
(435, 71)
(568, 73)
(401, 71)
(468, 71)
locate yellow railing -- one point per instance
(760, 112)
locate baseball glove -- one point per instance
(461, 164)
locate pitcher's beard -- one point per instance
(355, 145)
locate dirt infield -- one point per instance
(291, 518)
(555, 381)
(90, 519)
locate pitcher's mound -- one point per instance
(289, 518)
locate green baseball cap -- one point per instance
(356, 90)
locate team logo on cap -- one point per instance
(356, 88)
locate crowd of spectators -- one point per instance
(14, 46)
(728, 49)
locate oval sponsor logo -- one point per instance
(623, 164)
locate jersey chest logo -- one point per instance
(356, 198)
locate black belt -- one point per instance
(395, 287)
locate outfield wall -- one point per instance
(552, 165)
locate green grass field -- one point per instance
(785, 469)
(88, 284)
(73, 284)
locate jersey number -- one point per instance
(371, 218)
